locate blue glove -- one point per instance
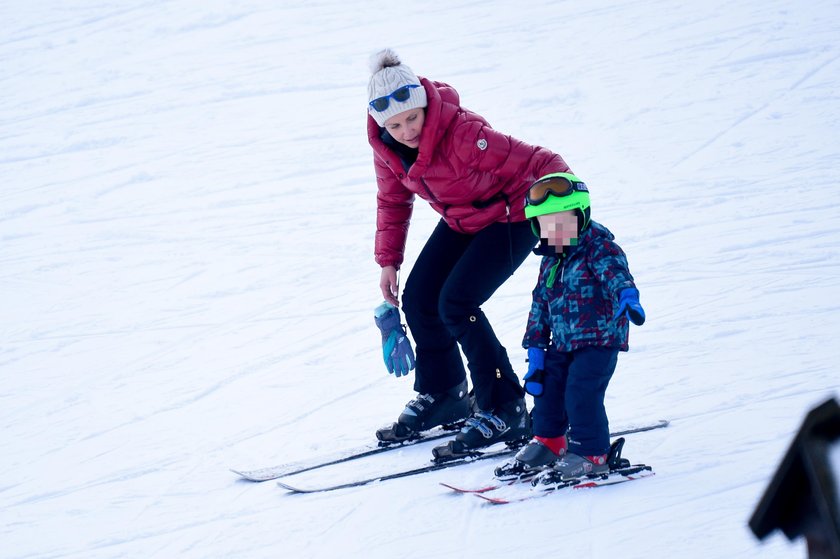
(536, 371)
(396, 348)
(628, 303)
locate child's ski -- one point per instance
(623, 475)
(483, 489)
(615, 463)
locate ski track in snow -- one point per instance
(187, 281)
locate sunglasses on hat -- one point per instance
(400, 94)
(557, 186)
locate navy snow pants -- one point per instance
(572, 403)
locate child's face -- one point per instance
(559, 229)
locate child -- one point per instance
(576, 327)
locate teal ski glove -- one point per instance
(396, 348)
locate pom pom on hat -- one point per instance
(386, 58)
(388, 74)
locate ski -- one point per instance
(499, 483)
(615, 477)
(282, 470)
(469, 459)
(483, 488)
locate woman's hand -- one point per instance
(389, 285)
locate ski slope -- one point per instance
(187, 210)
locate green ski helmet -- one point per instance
(557, 192)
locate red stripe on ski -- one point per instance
(536, 493)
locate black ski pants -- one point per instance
(453, 276)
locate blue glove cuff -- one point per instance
(629, 293)
(536, 358)
(382, 309)
(387, 318)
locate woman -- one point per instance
(425, 144)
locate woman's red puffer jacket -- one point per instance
(471, 174)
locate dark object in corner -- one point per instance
(802, 499)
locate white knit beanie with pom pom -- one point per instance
(388, 74)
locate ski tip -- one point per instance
(503, 501)
(257, 476)
(291, 488)
(492, 500)
(476, 490)
(245, 475)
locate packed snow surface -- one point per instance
(187, 280)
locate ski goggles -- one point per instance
(400, 94)
(558, 184)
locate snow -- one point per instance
(187, 282)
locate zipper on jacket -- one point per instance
(552, 273)
(432, 197)
(445, 207)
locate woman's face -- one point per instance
(405, 127)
